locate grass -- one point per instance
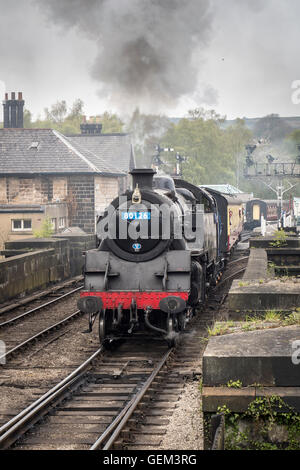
(218, 329)
(251, 323)
(253, 319)
(272, 316)
(243, 284)
(292, 319)
(279, 239)
(248, 327)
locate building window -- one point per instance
(21, 225)
(53, 223)
(62, 222)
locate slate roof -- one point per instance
(55, 154)
(115, 149)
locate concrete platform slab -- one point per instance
(271, 294)
(236, 400)
(257, 267)
(264, 242)
(257, 357)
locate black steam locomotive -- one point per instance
(160, 250)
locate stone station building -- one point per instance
(44, 174)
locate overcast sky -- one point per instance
(239, 57)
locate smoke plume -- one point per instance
(146, 49)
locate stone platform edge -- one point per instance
(238, 400)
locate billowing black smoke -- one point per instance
(145, 48)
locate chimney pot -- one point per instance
(20, 96)
(6, 96)
(13, 95)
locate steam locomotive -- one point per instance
(162, 245)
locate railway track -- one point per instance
(21, 330)
(94, 407)
(36, 299)
(119, 399)
(104, 391)
(246, 235)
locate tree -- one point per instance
(58, 118)
(46, 230)
(294, 137)
(27, 119)
(272, 127)
(76, 110)
(205, 114)
(57, 113)
(111, 123)
(237, 136)
(210, 150)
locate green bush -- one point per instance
(46, 230)
(280, 239)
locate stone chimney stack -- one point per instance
(13, 111)
(91, 127)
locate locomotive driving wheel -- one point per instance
(106, 335)
(102, 326)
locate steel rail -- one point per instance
(17, 426)
(121, 420)
(37, 296)
(235, 261)
(29, 312)
(39, 335)
(232, 275)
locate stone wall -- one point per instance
(19, 190)
(3, 198)
(81, 197)
(34, 190)
(48, 262)
(106, 189)
(60, 189)
(78, 244)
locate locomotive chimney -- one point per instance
(143, 177)
(13, 111)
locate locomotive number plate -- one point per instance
(136, 215)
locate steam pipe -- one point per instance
(149, 325)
